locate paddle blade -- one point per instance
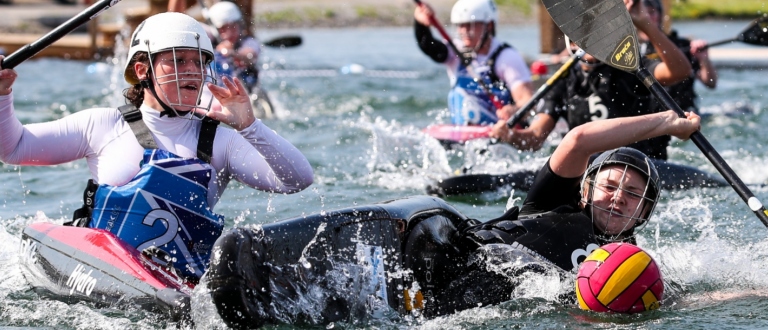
(284, 42)
(603, 28)
(756, 33)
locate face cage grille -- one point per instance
(206, 74)
(642, 212)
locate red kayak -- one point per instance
(84, 264)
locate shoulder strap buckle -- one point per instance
(130, 113)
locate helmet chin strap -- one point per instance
(484, 38)
(167, 110)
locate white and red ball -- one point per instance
(619, 278)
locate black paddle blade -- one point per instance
(284, 42)
(603, 28)
(756, 33)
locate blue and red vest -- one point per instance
(469, 103)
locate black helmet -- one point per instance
(635, 159)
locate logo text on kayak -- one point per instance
(80, 281)
(28, 251)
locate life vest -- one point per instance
(225, 66)
(564, 236)
(165, 206)
(468, 102)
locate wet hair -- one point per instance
(135, 94)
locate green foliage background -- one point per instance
(693, 9)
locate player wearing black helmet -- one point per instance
(439, 263)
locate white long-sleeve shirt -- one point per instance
(510, 66)
(255, 156)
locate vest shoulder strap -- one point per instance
(132, 116)
(205, 140)
(492, 61)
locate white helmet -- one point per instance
(223, 13)
(468, 11)
(166, 31)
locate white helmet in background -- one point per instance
(166, 31)
(468, 11)
(223, 13)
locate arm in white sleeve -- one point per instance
(511, 68)
(275, 165)
(47, 143)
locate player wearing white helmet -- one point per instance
(484, 57)
(160, 163)
(237, 51)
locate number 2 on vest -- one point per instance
(170, 222)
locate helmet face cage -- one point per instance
(484, 34)
(206, 73)
(648, 197)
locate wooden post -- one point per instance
(93, 29)
(551, 37)
(246, 8)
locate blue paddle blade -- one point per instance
(603, 28)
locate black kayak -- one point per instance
(402, 257)
(673, 177)
(259, 276)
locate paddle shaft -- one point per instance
(753, 40)
(706, 148)
(24, 53)
(544, 89)
(713, 44)
(434, 22)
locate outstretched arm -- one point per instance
(572, 155)
(707, 73)
(674, 66)
(266, 161)
(432, 47)
(529, 138)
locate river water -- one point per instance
(354, 100)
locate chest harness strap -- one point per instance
(132, 116)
